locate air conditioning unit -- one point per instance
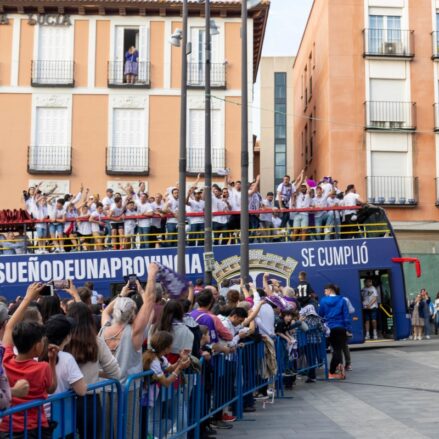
(392, 48)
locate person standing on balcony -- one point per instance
(220, 203)
(145, 209)
(195, 203)
(131, 65)
(171, 207)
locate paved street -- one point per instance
(392, 393)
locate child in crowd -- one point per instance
(164, 374)
(27, 337)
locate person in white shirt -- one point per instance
(70, 228)
(56, 228)
(334, 217)
(195, 203)
(108, 200)
(145, 209)
(98, 225)
(40, 212)
(326, 185)
(370, 298)
(158, 221)
(320, 217)
(350, 225)
(219, 222)
(116, 218)
(266, 219)
(285, 192)
(235, 205)
(301, 220)
(130, 225)
(84, 228)
(171, 208)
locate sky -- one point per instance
(285, 26)
(286, 22)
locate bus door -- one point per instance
(384, 315)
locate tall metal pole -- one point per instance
(244, 147)
(208, 255)
(181, 245)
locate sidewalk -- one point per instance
(392, 393)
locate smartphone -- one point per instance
(132, 282)
(47, 290)
(61, 284)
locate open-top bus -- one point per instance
(372, 253)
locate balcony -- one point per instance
(117, 78)
(390, 116)
(127, 160)
(49, 159)
(437, 191)
(388, 43)
(435, 42)
(195, 160)
(392, 191)
(196, 75)
(52, 73)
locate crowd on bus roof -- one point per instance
(50, 346)
(88, 221)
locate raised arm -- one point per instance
(300, 179)
(32, 293)
(255, 186)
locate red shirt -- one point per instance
(39, 376)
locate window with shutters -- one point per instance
(197, 62)
(54, 64)
(51, 151)
(128, 153)
(129, 66)
(196, 147)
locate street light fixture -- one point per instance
(176, 37)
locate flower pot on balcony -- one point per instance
(401, 200)
(391, 200)
(381, 200)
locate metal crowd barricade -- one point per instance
(145, 409)
(65, 415)
(309, 353)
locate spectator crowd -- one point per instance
(132, 218)
(51, 345)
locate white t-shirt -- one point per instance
(286, 192)
(158, 368)
(327, 189)
(368, 294)
(303, 201)
(173, 207)
(196, 207)
(130, 224)
(334, 202)
(235, 200)
(84, 227)
(67, 372)
(142, 209)
(107, 202)
(157, 221)
(319, 202)
(95, 228)
(350, 199)
(218, 205)
(267, 216)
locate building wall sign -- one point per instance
(49, 20)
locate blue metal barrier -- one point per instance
(144, 409)
(303, 358)
(64, 415)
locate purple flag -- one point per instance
(172, 282)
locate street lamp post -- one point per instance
(177, 39)
(245, 269)
(208, 253)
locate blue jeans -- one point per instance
(144, 237)
(333, 221)
(194, 237)
(171, 240)
(320, 222)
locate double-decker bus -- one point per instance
(372, 253)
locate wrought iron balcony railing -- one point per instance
(127, 160)
(118, 78)
(388, 43)
(436, 117)
(49, 159)
(52, 73)
(385, 115)
(195, 160)
(196, 75)
(435, 42)
(392, 191)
